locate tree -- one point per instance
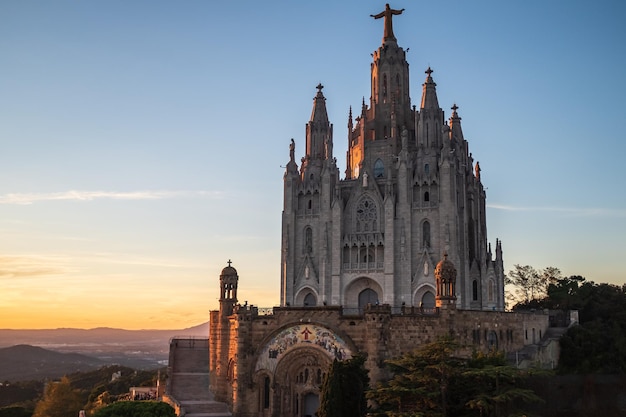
(531, 285)
(343, 389)
(60, 400)
(433, 382)
(136, 409)
(421, 382)
(495, 388)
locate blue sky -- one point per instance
(141, 143)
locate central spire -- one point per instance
(388, 15)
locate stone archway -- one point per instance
(298, 380)
(296, 359)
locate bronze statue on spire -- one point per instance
(388, 15)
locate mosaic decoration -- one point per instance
(299, 336)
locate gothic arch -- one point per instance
(422, 296)
(305, 294)
(354, 288)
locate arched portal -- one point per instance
(310, 404)
(296, 359)
(367, 296)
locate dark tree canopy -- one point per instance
(343, 389)
(433, 382)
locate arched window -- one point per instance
(492, 340)
(266, 392)
(426, 197)
(310, 300)
(384, 88)
(426, 234)
(379, 169)
(475, 290)
(367, 296)
(426, 169)
(428, 300)
(310, 204)
(308, 240)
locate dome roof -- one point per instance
(445, 269)
(229, 270)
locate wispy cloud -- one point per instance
(30, 266)
(573, 211)
(73, 195)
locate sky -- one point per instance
(143, 143)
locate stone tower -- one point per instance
(411, 192)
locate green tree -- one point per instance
(136, 409)
(530, 285)
(343, 389)
(422, 381)
(60, 400)
(433, 381)
(495, 388)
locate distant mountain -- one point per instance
(25, 362)
(104, 335)
(138, 349)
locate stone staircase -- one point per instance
(188, 385)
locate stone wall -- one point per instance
(376, 333)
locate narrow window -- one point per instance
(475, 290)
(426, 197)
(379, 169)
(426, 234)
(308, 240)
(266, 392)
(426, 169)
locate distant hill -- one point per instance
(105, 335)
(138, 349)
(25, 362)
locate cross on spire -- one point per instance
(229, 262)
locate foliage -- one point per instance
(60, 400)
(529, 284)
(432, 382)
(343, 389)
(598, 343)
(22, 393)
(136, 409)
(495, 388)
(15, 411)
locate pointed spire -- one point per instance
(455, 123)
(350, 120)
(319, 113)
(429, 92)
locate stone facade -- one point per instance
(272, 362)
(411, 192)
(392, 256)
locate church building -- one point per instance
(391, 255)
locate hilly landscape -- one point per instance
(33, 354)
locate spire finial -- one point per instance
(229, 262)
(454, 108)
(319, 87)
(429, 71)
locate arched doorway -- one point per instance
(367, 296)
(310, 404)
(296, 360)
